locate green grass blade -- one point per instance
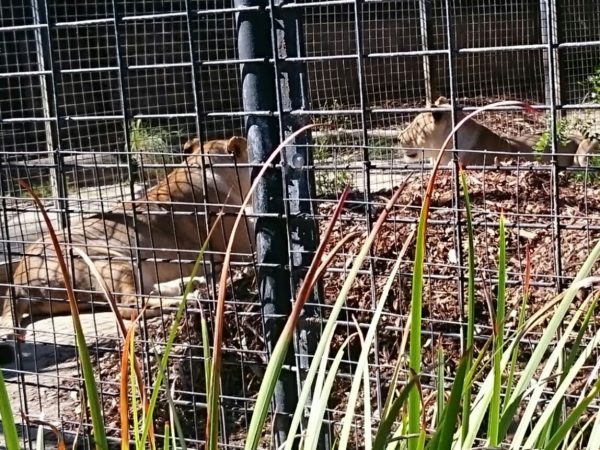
(575, 346)
(175, 423)
(422, 437)
(325, 358)
(106, 290)
(418, 272)
(538, 389)
(274, 367)
(574, 351)
(577, 441)
(416, 312)
(387, 422)
(393, 382)
(394, 442)
(494, 413)
(440, 384)
(594, 438)
(162, 366)
(363, 360)
(483, 398)
(364, 373)
(470, 294)
(368, 422)
(210, 393)
(89, 380)
(414, 403)
(327, 332)
(91, 390)
(556, 321)
(267, 387)
(9, 429)
(166, 440)
(481, 402)
(520, 322)
(321, 374)
(389, 401)
(252, 440)
(563, 387)
(480, 363)
(315, 421)
(205, 349)
(443, 438)
(573, 418)
(508, 414)
(39, 438)
(134, 407)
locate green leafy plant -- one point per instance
(592, 83)
(330, 180)
(585, 124)
(151, 148)
(588, 176)
(563, 126)
(545, 140)
(9, 427)
(43, 190)
(84, 355)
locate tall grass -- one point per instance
(9, 427)
(84, 355)
(492, 383)
(500, 387)
(144, 429)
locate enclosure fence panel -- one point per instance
(101, 100)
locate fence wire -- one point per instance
(100, 99)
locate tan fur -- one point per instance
(476, 144)
(587, 148)
(161, 230)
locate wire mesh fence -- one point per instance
(102, 98)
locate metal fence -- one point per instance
(98, 98)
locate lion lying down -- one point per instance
(166, 220)
(478, 145)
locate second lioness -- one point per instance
(476, 144)
(166, 227)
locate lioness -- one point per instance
(477, 144)
(166, 224)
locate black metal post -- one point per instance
(263, 132)
(291, 79)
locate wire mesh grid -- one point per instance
(101, 97)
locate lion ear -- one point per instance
(237, 146)
(441, 101)
(191, 147)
